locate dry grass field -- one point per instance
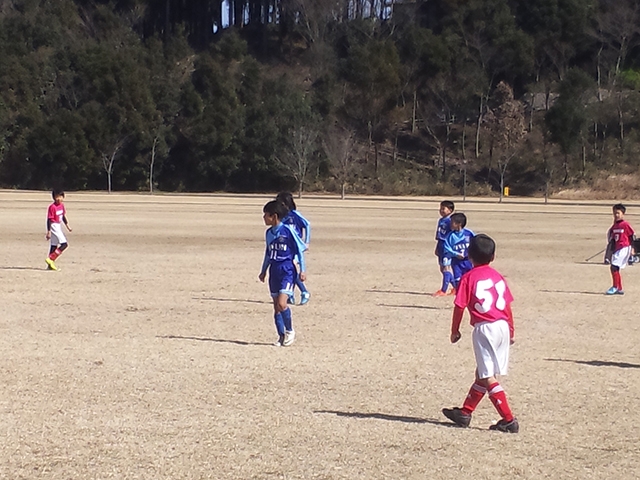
(148, 355)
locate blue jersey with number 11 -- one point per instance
(283, 244)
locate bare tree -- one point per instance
(340, 147)
(508, 128)
(109, 157)
(298, 156)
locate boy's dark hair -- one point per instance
(449, 204)
(55, 193)
(459, 218)
(274, 207)
(621, 207)
(287, 199)
(482, 249)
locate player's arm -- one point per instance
(265, 265)
(48, 235)
(509, 313)
(448, 248)
(306, 226)
(456, 320)
(66, 222)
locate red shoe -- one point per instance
(439, 293)
(452, 292)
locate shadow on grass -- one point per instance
(573, 292)
(385, 416)
(596, 363)
(373, 290)
(424, 307)
(234, 300)
(216, 340)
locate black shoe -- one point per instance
(506, 427)
(457, 416)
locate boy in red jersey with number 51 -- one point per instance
(484, 292)
(620, 238)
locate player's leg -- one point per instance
(491, 342)
(274, 288)
(447, 276)
(285, 290)
(304, 293)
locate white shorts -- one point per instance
(57, 237)
(620, 258)
(491, 342)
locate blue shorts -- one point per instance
(460, 267)
(281, 278)
(442, 260)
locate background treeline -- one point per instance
(433, 97)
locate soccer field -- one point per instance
(148, 355)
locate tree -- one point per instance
(340, 147)
(297, 157)
(507, 124)
(567, 118)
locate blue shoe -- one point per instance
(291, 300)
(304, 298)
(619, 292)
(613, 291)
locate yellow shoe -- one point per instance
(51, 264)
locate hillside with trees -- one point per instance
(371, 96)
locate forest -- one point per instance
(456, 97)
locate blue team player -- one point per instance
(444, 227)
(456, 245)
(283, 245)
(303, 229)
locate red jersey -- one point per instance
(56, 212)
(484, 292)
(621, 233)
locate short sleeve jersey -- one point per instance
(621, 233)
(484, 292)
(444, 227)
(283, 244)
(56, 213)
(457, 243)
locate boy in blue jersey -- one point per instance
(444, 227)
(303, 229)
(283, 245)
(456, 245)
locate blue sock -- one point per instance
(286, 317)
(300, 284)
(447, 278)
(280, 322)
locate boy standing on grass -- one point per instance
(283, 245)
(56, 215)
(456, 245)
(444, 227)
(484, 292)
(620, 240)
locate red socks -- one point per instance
(499, 400)
(617, 279)
(55, 254)
(476, 393)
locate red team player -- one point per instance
(484, 292)
(56, 215)
(620, 237)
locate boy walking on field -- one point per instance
(283, 245)
(620, 241)
(56, 215)
(484, 292)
